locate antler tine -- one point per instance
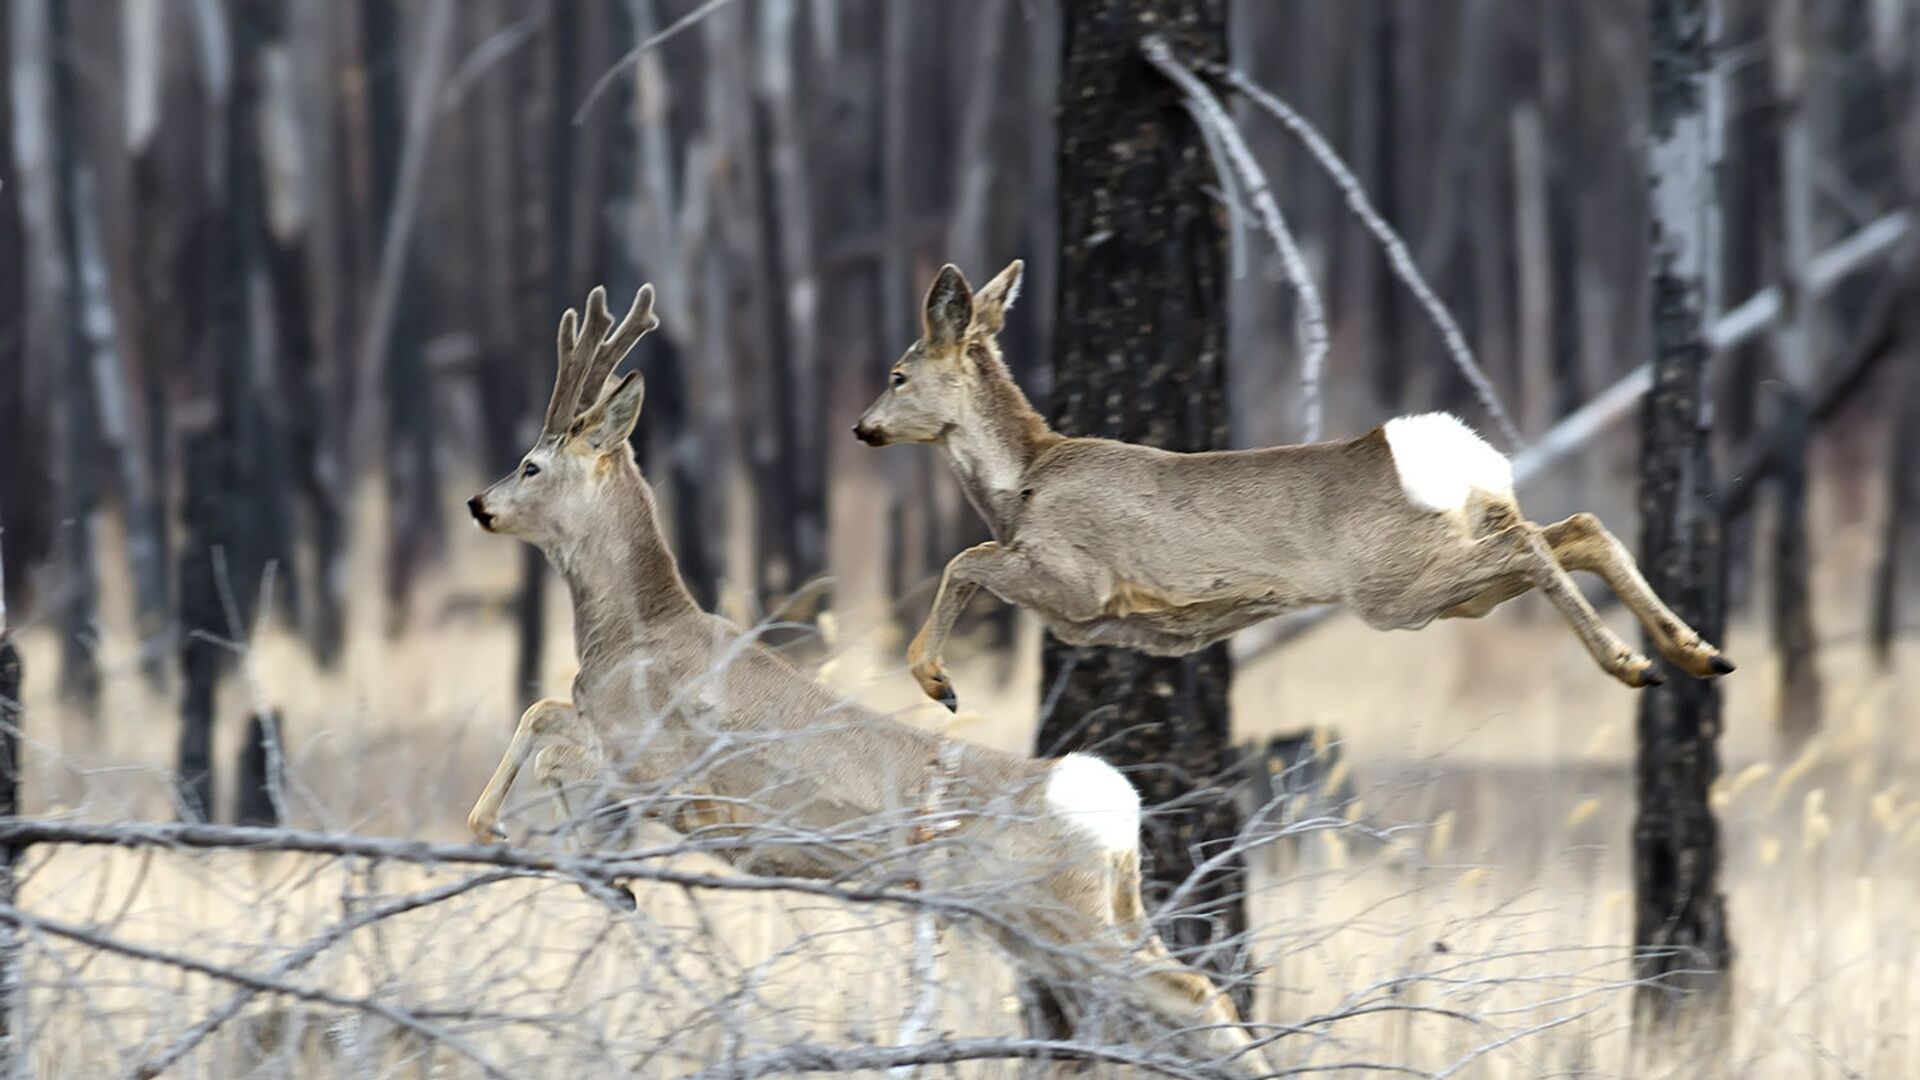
(566, 382)
(634, 325)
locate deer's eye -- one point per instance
(529, 469)
(899, 378)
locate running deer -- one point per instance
(726, 741)
(1117, 544)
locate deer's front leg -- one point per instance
(544, 718)
(1005, 572)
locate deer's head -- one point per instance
(936, 383)
(556, 487)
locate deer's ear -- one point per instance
(949, 307)
(607, 425)
(990, 304)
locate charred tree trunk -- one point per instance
(299, 437)
(259, 772)
(413, 483)
(228, 515)
(79, 667)
(21, 485)
(1903, 489)
(167, 201)
(1903, 471)
(1680, 925)
(1139, 354)
(1795, 357)
(200, 617)
(548, 220)
(11, 718)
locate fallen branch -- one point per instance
(1872, 242)
(1310, 319)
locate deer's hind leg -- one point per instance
(1182, 997)
(559, 766)
(1581, 542)
(1486, 571)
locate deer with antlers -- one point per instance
(1117, 544)
(729, 743)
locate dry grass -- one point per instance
(1494, 749)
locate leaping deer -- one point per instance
(1117, 544)
(777, 772)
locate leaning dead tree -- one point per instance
(1139, 354)
(1680, 924)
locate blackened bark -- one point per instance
(1680, 924)
(200, 616)
(669, 409)
(1903, 498)
(298, 433)
(11, 719)
(548, 221)
(1390, 369)
(168, 200)
(23, 481)
(1139, 354)
(1559, 77)
(1792, 592)
(258, 772)
(79, 667)
(413, 484)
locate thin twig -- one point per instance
(633, 55)
(814, 1057)
(300, 957)
(1397, 255)
(260, 983)
(1310, 320)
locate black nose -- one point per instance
(870, 436)
(479, 512)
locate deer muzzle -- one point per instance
(479, 511)
(869, 434)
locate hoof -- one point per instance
(1641, 673)
(1720, 665)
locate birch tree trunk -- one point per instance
(1139, 354)
(1680, 925)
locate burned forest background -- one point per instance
(280, 267)
(278, 288)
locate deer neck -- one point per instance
(991, 449)
(625, 584)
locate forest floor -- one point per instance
(1486, 937)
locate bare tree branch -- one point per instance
(1397, 255)
(1310, 319)
(257, 983)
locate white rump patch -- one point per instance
(1095, 797)
(1441, 461)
